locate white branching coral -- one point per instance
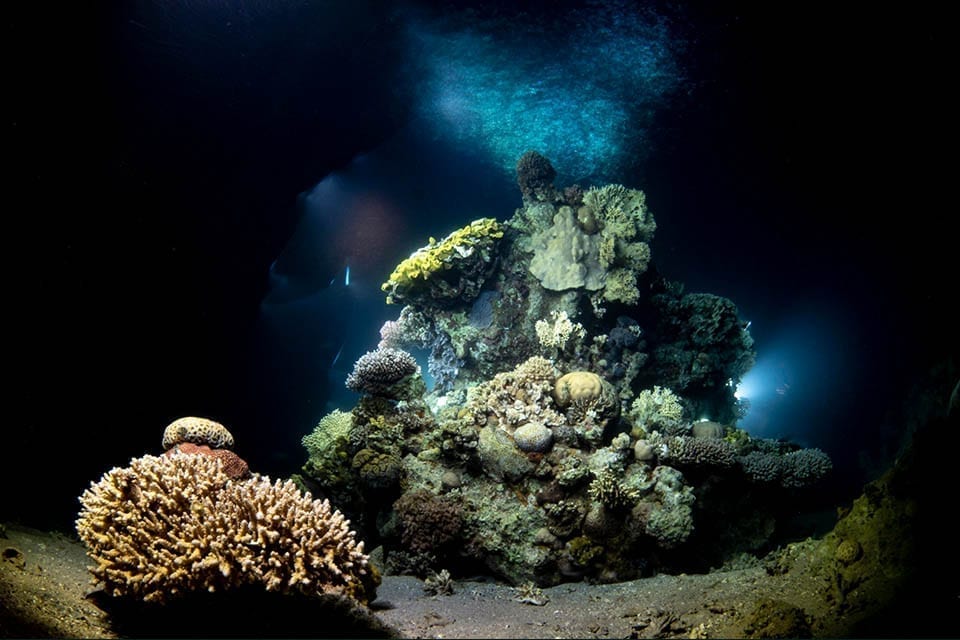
(558, 333)
(657, 409)
(170, 525)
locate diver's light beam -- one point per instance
(582, 95)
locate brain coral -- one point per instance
(169, 525)
(577, 386)
(197, 431)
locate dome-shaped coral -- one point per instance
(577, 386)
(197, 431)
(533, 437)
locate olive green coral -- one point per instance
(377, 470)
(327, 447)
(453, 269)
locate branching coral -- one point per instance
(380, 372)
(657, 409)
(555, 335)
(169, 525)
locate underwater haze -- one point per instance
(210, 195)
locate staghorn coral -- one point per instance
(170, 525)
(804, 467)
(761, 466)
(197, 431)
(380, 372)
(793, 469)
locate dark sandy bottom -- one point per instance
(45, 591)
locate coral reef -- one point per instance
(557, 441)
(171, 525)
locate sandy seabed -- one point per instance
(46, 591)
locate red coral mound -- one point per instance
(233, 465)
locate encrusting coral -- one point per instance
(449, 271)
(166, 526)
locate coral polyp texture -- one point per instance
(197, 431)
(167, 526)
(558, 440)
(381, 372)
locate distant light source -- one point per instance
(582, 94)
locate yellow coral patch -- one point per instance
(435, 257)
(576, 386)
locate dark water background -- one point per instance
(157, 152)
